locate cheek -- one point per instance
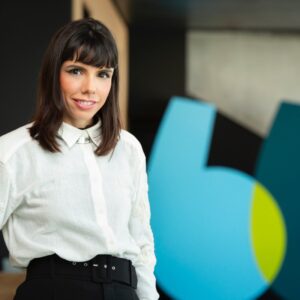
(67, 85)
(106, 89)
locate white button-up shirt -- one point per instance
(74, 203)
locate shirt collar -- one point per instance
(72, 135)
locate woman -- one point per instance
(73, 186)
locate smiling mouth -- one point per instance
(85, 102)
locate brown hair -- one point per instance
(90, 42)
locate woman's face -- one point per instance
(85, 89)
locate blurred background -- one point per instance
(241, 56)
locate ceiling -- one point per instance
(213, 14)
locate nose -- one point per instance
(88, 85)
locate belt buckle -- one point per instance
(101, 270)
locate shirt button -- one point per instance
(84, 140)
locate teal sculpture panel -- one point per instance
(278, 168)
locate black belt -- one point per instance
(101, 269)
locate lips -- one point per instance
(85, 104)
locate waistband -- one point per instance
(100, 269)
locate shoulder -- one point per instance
(129, 139)
(130, 144)
(12, 141)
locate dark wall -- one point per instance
(25, 30)
(157, 72)
(26, 27)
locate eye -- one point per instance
(75, 71)
(104, 74)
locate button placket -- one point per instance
(96, 187)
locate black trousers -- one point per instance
(103, 278)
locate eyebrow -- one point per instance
(107, 69)
(82, 67)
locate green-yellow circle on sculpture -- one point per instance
(268, 233)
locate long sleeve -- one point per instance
(141, 232)
(5, 194)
